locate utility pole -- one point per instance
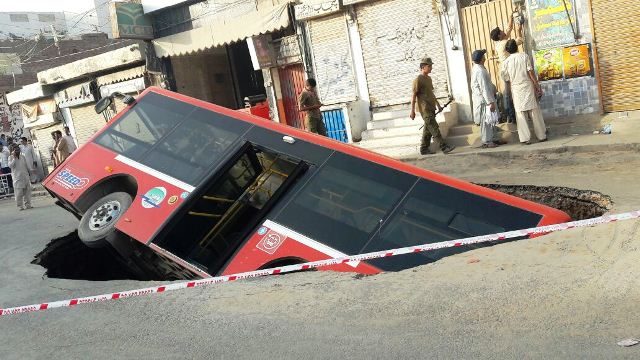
(55, 38)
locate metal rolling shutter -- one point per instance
(395, 35)
(616, 27)
(86, 122)
(332, 59)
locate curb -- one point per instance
(38, 193)
(552, 150)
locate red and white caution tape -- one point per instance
(321, 263)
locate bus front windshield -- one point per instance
(173, 137)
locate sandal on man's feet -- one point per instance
(447, 149)
(488, 145)
(526, 143)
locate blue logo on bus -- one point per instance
(70, 181)
(154, 197)
(262, 230)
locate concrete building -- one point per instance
(27, 25)
(23, 60)
(103, 17)
(365, 54)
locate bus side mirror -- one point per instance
(103, 104)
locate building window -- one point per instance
(18, 17)
(46, 18)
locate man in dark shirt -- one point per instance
(310, 103)
(427, 103)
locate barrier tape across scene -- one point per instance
(321, 263)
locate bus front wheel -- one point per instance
(98, 222)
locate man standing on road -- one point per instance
(500, 39)
(30, 157)
(71, 143)
(484, 100)
(309, 102)
(21, 184)
(427, 103)
(517, 73)
(62, 150)
(4, 164)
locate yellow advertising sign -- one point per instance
(577, 61)
(549, 64)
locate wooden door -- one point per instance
(291, 85)
(478, 18)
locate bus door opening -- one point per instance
(233, 204)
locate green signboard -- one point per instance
(129, 21)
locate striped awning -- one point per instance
(225, 27)
(120, 76)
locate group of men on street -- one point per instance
(423, 96)
(521, 96)
(63, 146)
(18, 163)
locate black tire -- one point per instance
(98, 222)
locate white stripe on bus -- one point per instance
(308, 241)
(162, 176)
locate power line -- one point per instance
(214, 10)
(95, 9)
(79, 52)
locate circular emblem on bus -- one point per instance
(184, 195)
(172, 200)
(262, 230)
(154, 197)
(272, 241)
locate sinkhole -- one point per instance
(579, 204)
(67, 257)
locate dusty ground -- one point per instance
(566, 295)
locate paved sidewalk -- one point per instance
(625, 135)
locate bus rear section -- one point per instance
(213, 191)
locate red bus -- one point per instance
(182, 188)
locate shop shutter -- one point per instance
(332, 59)
(86, 122)
(395, 35)
(616, 27)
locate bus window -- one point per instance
(232, 205)
(175, 138)
(195, 146)
(433, 212)
(152, 117)
(344, 202)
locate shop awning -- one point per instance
(74, 95)
(120, 76)
(260, 17)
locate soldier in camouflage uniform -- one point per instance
(427, 103)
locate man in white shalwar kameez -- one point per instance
(518, 73)
(483, 93)
(21, 184)
(30, 157)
